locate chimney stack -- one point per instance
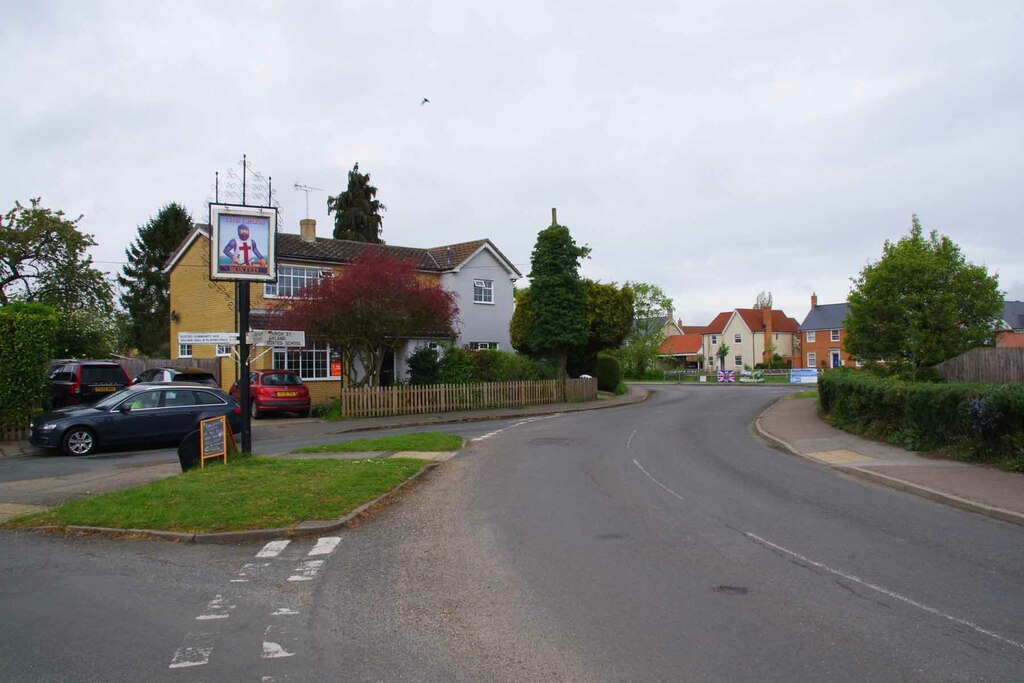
(554, 216)
(307, 229)
(814, 300)
(766, 318)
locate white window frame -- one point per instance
(223, 350)
(737, 338)
(810, 336)
(483, 291)
(835, 335)
(292, 279)
(184, 350)
(313, 362)
(483, 346)
(812, 360)
(714, 339)
(737, 361)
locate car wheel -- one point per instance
(78, 441)
(254, 410)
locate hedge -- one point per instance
(609, 372)
(28, 331)
(977, 421)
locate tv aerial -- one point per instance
(307, 189)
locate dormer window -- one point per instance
(483, 291)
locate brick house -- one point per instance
(753, 336)
(476, 271)
(823, 336)
(1010, 333)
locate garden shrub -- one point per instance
(981, 422)
(609, 372)
(28, 331)
(457, 366)
(492, 365)
(424, 366)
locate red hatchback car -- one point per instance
(274, 391)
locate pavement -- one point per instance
(794, 424)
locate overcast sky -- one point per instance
(715, 149)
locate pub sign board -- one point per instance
(215, 440)
(243, 243)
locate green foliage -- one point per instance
(921, 303)
(763, 300)
(640, 350)
(522, 318)
(493, 365)
(28, 331)
(980, 422)
(145, 290)
(83, 333)
(457, 367)
(424, 366)
(609, 372)
(723, 353)
(356, 210)
(558, 324)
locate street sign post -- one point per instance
(277, 338)
(208, 338)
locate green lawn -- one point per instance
(420, 441)
(805, 394)
(250, 493)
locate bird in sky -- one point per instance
(425, 101)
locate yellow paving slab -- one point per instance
(839, 457)
(11, 510)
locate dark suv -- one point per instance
(82, 382)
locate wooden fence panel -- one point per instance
(986, 366)
(411, 400)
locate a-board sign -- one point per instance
(215, 439)
(207, 337)
(277, 338)
(803, 376)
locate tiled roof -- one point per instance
(717, 326)
(680, 345)
(692, 329)
(754, 319)
(1013, 314)
(825, 317)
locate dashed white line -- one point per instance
(273, 549)
(195, 651)
(307, 571)
(513, 426)
(651, 477)
(218, 608)
(271, 648)
(284, 612)
(884, 591)
(324, 546)
(629, 441)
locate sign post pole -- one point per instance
(243, 363)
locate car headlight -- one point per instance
(49, 426)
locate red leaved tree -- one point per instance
(373, 305)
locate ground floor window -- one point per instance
(184, 350)
(812, 360)
(738, 361)
(312, 362)
(223, 350)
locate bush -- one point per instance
(609, 372)
(981, 422)
(492, 365)
(28, 332)
(424, 366)
(457, 366)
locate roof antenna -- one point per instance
(307, 189)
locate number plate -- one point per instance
(104, 389)
(287, 393)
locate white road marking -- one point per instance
(884, 591)
(273, 549)
(513, 426)
(651, 477)
(273, 649)
(195, 651)
(325, 546)
(307, 571)
(284, 612)
(218, 608)
(629, 441)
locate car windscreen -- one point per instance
(204, 377)
(103, 374)
(281, 379)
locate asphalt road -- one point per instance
(657, 542)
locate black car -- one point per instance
(177, 375)
(139, 415)
(80, 382)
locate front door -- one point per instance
(836, 362)
(387, 369)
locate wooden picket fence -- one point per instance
(439, 398)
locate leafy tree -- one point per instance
(43, 258)
(650, 304)
(522, 318)
(763, 300)
(375, 304)
(558, 323)
(145, 292)
(723, 353)
(356, 210)
(424, 366)
(921, 303)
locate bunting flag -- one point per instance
(726, 375)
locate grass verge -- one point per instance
(419, 441)
(805, 394)
(252, 493)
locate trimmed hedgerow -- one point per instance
(28, 331)
(977, 421)
(609, 372)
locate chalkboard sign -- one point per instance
(215, 438)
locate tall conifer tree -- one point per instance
(356, 210)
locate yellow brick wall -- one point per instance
(203, 305)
